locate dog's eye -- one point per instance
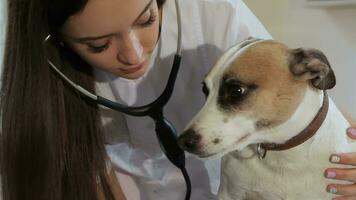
(234, 88)
(205, 89)
(237, 90)
(232, 92)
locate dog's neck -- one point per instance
(301, 119)
(300, 138)
(306, 112)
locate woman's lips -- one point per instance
(132, 69)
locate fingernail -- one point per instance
(352, 131)
(330, 174)
(334, 158)
(332, 190)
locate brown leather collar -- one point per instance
(303, 136)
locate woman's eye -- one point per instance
(99, 49)
(150, 20)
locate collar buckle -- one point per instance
(261, 152)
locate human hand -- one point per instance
(345, 191)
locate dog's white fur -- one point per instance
(294, 174)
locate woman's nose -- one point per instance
(130, 50)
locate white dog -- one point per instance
(266, 112)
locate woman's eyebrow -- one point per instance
(90, 38)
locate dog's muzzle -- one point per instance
(189, 141)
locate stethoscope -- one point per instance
(165, 131)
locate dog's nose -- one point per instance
(189, 140)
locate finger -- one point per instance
(351, 132)
(341, 174)
(344, 158)
(342, 189)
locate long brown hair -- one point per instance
(51, 144)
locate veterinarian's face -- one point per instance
(250, 89)
(117, 36)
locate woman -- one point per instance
(53, 138)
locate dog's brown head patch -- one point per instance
(268, 80)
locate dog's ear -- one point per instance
(312, 65)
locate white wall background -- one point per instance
(331, 29)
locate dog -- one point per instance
(267, 114)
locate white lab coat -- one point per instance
(209, 27)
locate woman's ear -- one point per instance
(312, 65)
